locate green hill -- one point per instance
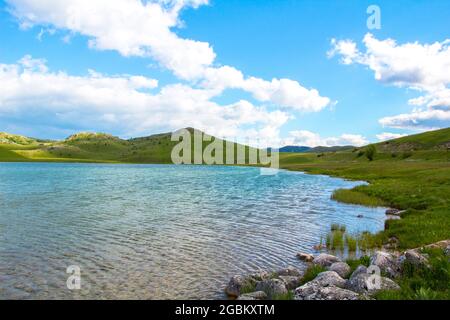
(95, 147)
(431, 140)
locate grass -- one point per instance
(421, 282)
(355, 263)
(311, 273)
(357, 197)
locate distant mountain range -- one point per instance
(303, 149)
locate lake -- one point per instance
(158, 231)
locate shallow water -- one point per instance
(157, 231)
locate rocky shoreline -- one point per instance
(337, 282)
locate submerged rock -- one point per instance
(325, 260)
(272, 287)
(289, 271)
(305, 257)
(341, 268)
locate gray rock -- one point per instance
(291, 282)
(341, 268)
(289, 272)
(326, 293)
(258, 295)
(360, 269)
(325, 260)
(414, 257)
(365, 283)
(305, 257)
(272, 287)
(329, 278)
(447, 251)
(393, 212)
(387, 262)
(236, 284)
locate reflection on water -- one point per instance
(157, 231)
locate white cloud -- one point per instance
(389, 136)
(421, 67)
(124, 104)
(311, 139)
(144, 28)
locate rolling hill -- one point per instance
(95, 147)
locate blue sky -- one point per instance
(278, 39)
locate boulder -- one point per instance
(365, 283)
(258, 295)
(305, 257)
(328, 278)
(341, 268)
(289, 272)
(447, 251)
(360, 269)
(272, 287)
(414, 257)
(260, 276)
(387, 262)
(325, 260)
(327, 293)
(291, 282)
(236, 284)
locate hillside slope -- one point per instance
(96, 147)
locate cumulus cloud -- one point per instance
(421, 67)
(389, 136)
(311, 139)
(128, 105)
(145, 29)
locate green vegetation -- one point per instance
(423, 282)
(355, 263)
(356, 197)
(290, 295)
(311, 273)
(370, 152)
(419, 184)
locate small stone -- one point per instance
(341, 268)
(393, 212)
(360, 216)
(258, 295)
(325, 260)
(305, 257)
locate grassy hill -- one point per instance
(94, 147)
